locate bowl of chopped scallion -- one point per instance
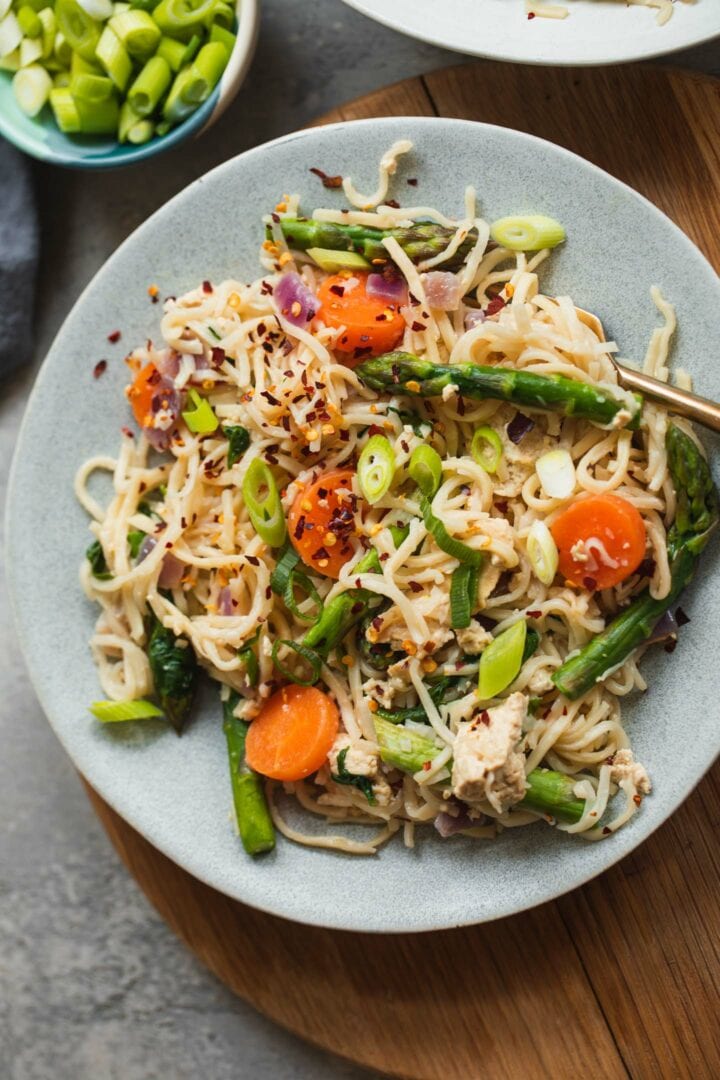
(98, 84)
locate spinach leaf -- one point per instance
(363, 783)
(175, 673)
(239, 439)
(420, 426)
(135, 539)
(96, 557)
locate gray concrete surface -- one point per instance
(93, 986)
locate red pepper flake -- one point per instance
(338, 290)
(417, 327)
(590, 583)
(266, 288)
(217, 357)
(127, 432)
(485, 718)
(534, 614)
(268, 593)
(393, 203)
(496, 304)
(671, 645)
(253, 560)
(415, 586)
(321, 553)
(531, 15)
(637, 799)
(207, 287)
(384, 556)
(299, 528)
(502, 506)
(328, 181)
(114, 337)
(99, 368)
(681, 618)
(412, 181)
(426, 766)
(606, 831)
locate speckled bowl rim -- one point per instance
(621, 844)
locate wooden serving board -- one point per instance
(622, 976)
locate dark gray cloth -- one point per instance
(19, 243)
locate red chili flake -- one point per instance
(253, 560)
(267, 346)
(382, 317)
(564, 712)
(415, 586)
(99, 368)
(637, 799)
(393, 202)
(114, 337)
(671, 645)
(328, 181)
(610, 760)
(126, 431)
(357, 608)
(168, 544)
(590, 583)
(531, 15)
(154, 377)
(269, 397)
(681, 618)
(207, 287)
(321, 553)
(266, 288)
(426, 765)
(217, 357)
(338, 290)
(534, 614)
(606, 831)
(300, 527)
(460, 406)
(275, 217)
(412, 181)
(268, 593)
(496, 304)
(417, 327)
(384, 556)
(485, 718)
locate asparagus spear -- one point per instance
(695, 518)
(420, 241)
(548, 792)
(341, 614)
(175, 671)
(403, 373)
(255, 824)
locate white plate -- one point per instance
(176, 791)
(595, 31)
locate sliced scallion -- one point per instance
(173, 51)
(80, 31)
(288, 559)
(141, 132)
(29, 22)
(501, 661)
(49, 30)
(61, 50)
(530, 233)
(191, 50)
(200, 419)
(425, 468)
(181, 19)
(30, 51)
(150, 85)
(176, 108)
(97, 9)
(311, 658)
(138, 32)
(91, 88)
(376, 468)
(463, 595)
(205, 71)
(11, 62)
(300, 580)
(222, 15)
(10, 34)
(542, 552)
(487, 448)
(226, 38)
(31, 87)
(65, 110)
(262, 500)
(111, 712)
(114, 57)
(445, 541)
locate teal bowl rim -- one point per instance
(116, 156)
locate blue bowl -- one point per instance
(41, 138)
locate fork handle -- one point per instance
(682, 402)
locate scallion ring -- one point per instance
(287, 560)
(302, 581)
(463, 595)
(542, 552)
(445, 541)
(376, 468)
(311, 658)
(425, 468)
(501, 661)
(111, 712)
(262, 500)
(487, 448)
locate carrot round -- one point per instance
(140, 394)
(292, 735)
(371, 325)
(601, 541)
(321, 522)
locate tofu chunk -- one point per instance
(361, 760)
(624, 767)
(486, 765)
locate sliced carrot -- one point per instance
(292, 735)
(140, 394)
(371, 325)
(601, 541)
(321, 522)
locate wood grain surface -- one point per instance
(621, 977)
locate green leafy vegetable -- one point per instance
(238, 439)
(175, 672)
(96, 557)
(363, 783)
(111, 712)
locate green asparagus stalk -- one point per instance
(175, 672)
(341, 614)
(254, 822)
(420, 241)
(548, 792)
(403, 373)
(695, 518)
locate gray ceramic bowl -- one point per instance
(175, 791)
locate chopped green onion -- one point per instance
(225, 37)
(65, 110)
(463, 595)
(205, 71)
(238, 439)
(62, 79)
(425, 468)
(182, 18)
(29, 22)
(247, 657)
(288, 559)
(80, 31)
(114, 57)
(311, 658)
(173, 51)
(262, 500)
(128, 121)
(141, 133)
(150, 86)
(30, 51)
(97, 9)
(201, 419)
(376, 468)
(135, 539)
(532, 640)
(191, 50)
(176, 108)
(10, 34)
(399, 534)
(447, 543)
(487, 448)
(62, 50)
(556, 470)
(542, 552)
(111, 712)
(222, 15)
(137, 31)
(94, 118)
(531, 233)
(338, 260)
(49, 29)
(5, 6)
(501, 661)
(402, 747)
(91, 88)
(11, 62)
(31, 87)
(163, 127)
(302, 581)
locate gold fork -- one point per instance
(682, 402)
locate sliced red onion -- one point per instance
(165, 408)
(168, 363)
(146, 547)
(442, 290)
(296, 303)
(171, 573)
(447, 825)
(392, 288)
(473, 318)
(518, 427)
(665, 627)
(225, 602)
(201, 362)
